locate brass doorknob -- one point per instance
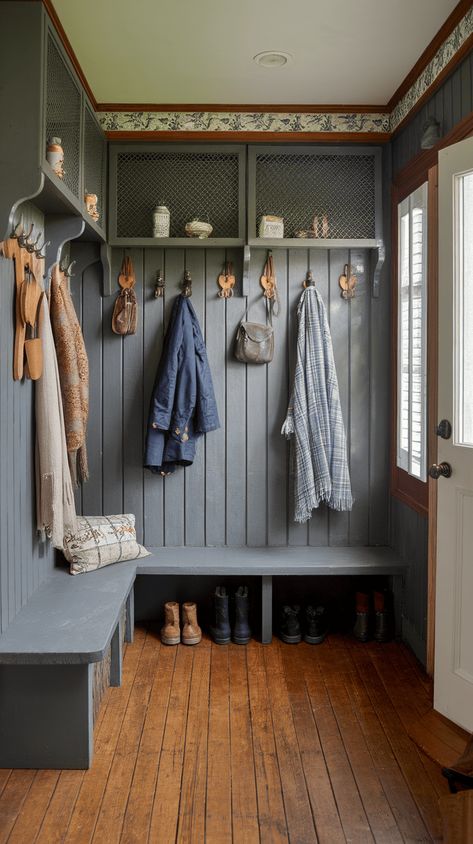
(438, 470)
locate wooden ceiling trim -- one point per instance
(254, 137)
(70, 52)
(269, 108)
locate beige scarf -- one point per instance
(73, 373)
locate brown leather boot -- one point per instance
(171, 632)
(191, 632)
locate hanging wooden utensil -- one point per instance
(268, 279)
(226, 281)
(30, 296)
(126, 278)
(347, 283)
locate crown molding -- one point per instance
(48, 5)
(242, 108)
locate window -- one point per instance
(411, 335)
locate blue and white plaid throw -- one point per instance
(314, 421)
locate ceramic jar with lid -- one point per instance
(161, 221)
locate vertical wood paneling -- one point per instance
(238, 490)
(112, 402)
(297, 269)
(195, 476)
(24, 561)
(278, 391)
(256, 420)
(215, 339)
(235, 415)
(359, 312)
(133, 407)
(340, 331)
(174, 501)
(153, 336)
(319, 264)
(91, 300)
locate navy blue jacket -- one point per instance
(183, 405)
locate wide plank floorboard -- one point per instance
(265, 743)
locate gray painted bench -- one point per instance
(46, 666)
(269, 562)
(48, 652)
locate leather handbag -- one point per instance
(125, 312)
(254, 343)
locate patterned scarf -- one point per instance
(314, 420)
(73, 373)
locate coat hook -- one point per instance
(187, 285)
(14, 232)
(309, 280)
(24, 238)
(41, 249)
(32, 247)
(67, 270)
(160, 285)
(347, 283)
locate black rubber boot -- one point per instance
(221, 633)
(315, 625)
(241, 630)
(382, 616)
(290, 630)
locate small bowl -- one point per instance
(197, 228)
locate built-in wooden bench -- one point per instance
(48, 651)
(47, 656)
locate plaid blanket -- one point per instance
(314, 420)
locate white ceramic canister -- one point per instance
(55, 156)
(161, 221)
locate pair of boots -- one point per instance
(381, 616)
(221, 630)
(171, 632)
(315, 625)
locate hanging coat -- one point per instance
(314, 421)
(183, 405)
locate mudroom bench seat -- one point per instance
(48, 652)
(268, 562)
(47, 658)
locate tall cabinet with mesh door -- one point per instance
(327, 196)
(194, 181)
(45, 99)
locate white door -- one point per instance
(453, 680)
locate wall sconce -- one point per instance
(430, 133)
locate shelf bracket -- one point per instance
(377, 259)
(9, 203)
(106, 259)
(59, 229)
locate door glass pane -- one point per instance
(463, 380)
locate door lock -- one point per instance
(438, 470)
(444, 429)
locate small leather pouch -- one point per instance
(254, 343)
(125, 312)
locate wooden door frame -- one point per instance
(424, 167)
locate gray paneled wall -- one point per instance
(24, 562)
(238, 490)
(451, 103)
(409, 538)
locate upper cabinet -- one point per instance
(324, 195)
(43, 99)
(203, 182)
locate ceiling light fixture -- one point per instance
(272, 59)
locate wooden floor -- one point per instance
(275, 743)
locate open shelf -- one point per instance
(313, 243)
(57, 198)
(178, 242)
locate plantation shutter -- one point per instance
(412, 334)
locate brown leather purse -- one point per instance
(125, 311)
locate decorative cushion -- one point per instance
(100, 541)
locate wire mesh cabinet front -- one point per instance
(204, 182)
(320, 192)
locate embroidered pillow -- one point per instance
(100, 541)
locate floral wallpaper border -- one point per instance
(149, 121)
